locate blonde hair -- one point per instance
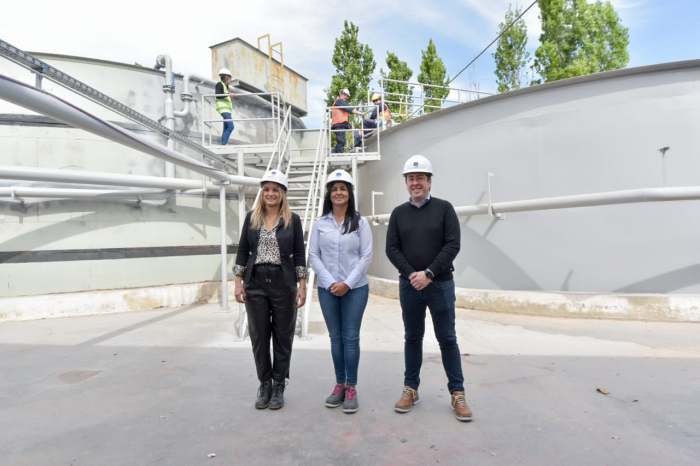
(260, 209)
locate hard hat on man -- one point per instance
(345, 91)
(375, 96)
(225, 71)
(418, 164)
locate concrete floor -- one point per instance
(170, 386)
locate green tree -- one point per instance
(354, 64)
(511, 56)
(579, 38)
(432, 71)
(398, 92)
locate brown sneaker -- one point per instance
(459, 405)
(409, 397)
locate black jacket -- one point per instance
(291, 243)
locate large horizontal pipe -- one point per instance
(61, 193)
(631, 196)
(112, 179)
(48, 104)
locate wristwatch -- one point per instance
(429, 274)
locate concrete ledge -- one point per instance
(109, 301)
(675, 308)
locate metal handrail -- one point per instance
(409, 98)
(209, 101)
(363, 130)
(43, 69)
(287, 117)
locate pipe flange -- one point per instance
(169, 88)
(186, 97)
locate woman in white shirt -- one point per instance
(340, 253)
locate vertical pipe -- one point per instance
(241, 216)
(357, 181)
(169, 90)
(224, 271)
(39, 79)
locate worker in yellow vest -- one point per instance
(224, 105)
(340, 117)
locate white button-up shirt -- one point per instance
(338, 257)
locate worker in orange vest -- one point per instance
(341, 119)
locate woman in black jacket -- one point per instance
(269, 263)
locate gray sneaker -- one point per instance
(350, 404)
(337, 397)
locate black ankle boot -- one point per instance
(264, 393)
(277, 399)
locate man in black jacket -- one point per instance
(422, 242)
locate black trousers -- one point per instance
(272, 313)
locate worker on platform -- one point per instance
(224, 105)
(380, 116)
(422, 242)
(340, 119)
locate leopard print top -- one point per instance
(269, 253)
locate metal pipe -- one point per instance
(24, 192)
(169, 90)
(690, 193)
(48, 104)
(224, 271)
(113, 179)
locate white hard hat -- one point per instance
(225, 71)
(340, 175)
(345, 91)
(418, 164)
(276, 176)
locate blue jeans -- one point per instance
(228, 128)
(340, 138)
(343, 318)
(439, 297)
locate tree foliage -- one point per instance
(354, 64)
(579, 38)
(511, 55)
(398, 92)
(433, 71)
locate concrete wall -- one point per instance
(585, 135)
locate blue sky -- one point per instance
(135, 31)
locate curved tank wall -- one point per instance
(592, 134)
(52, 246)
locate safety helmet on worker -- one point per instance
(418, 164)
(345, 91)
(375, 96)
(339, 175)
(275, 176)
(225, 72)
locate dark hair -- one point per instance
(352, 216)
(429, 175)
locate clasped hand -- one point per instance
(339, 289)
(419, 280)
